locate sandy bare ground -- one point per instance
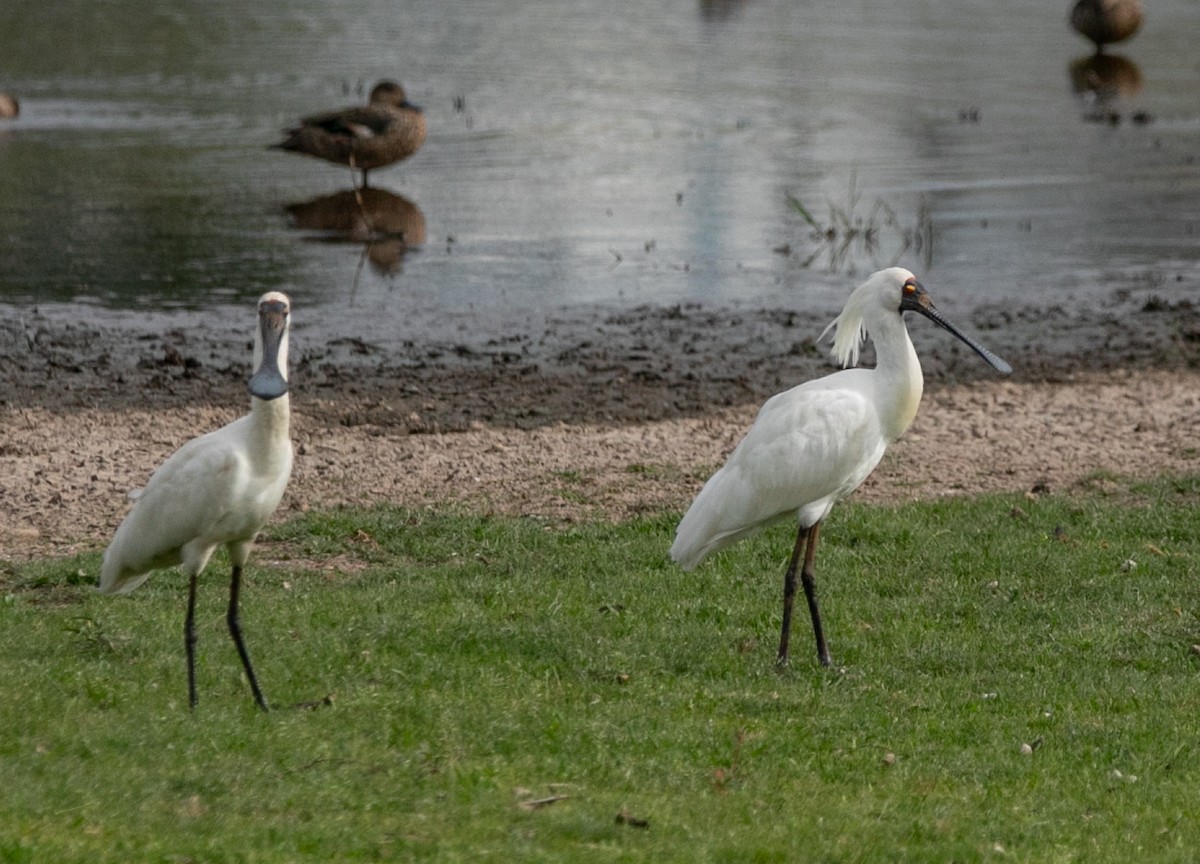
(86, 413)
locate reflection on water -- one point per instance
(859, 239)
(1105, 76)
(641, 155)
(387, 225)
(720, 10)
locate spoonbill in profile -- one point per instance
(218, 489)
(813, 445)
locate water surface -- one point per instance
(603, 156)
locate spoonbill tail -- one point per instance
(387, 129)
(813, 445)
(220, 488)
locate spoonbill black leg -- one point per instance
(810, 592)
(189, 639)
(789, 596)
(235, 630)
(806, 544)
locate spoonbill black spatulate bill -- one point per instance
(813, 445)
(218, 489)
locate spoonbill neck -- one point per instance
(271, 414)
(897, 374)
(268, 435)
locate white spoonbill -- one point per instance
(813, 445)
(220, 488)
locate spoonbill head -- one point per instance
(216, 490)
(813, 445)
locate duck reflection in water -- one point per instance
(1105, 76)
(387, 225)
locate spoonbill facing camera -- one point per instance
(218, 489)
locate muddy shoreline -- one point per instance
(577, 414)
(574, 365)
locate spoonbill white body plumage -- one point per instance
(217, 489)
(813, 445)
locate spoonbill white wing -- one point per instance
(808, 447)
(202, 496)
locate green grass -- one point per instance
(477, 665)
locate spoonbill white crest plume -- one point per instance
(220, 488)
(813, 445)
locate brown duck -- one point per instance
(385, 130)
(1105, 21)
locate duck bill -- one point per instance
(268, 381)
(925, 307)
